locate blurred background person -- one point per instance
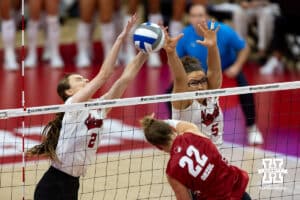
(35, 8)
(87, 10)
(8, 28)
(261, 11)
(286, 23)
(245, 13)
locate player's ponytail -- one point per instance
(50, 136)
(157, 132)
(50, 133)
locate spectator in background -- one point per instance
(52, 32)
(234, 53)
(85, 28)
(264, 13)
(286, 23)
(246, 12)
(8, 28)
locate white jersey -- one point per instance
(78, 140)
(207, 116)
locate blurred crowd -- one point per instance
(269, 26)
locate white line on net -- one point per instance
(18, 112)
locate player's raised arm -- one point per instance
(214, 71)
(130, 72)
(107, 67)
(177, 69)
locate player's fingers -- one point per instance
(134, 17)
(152, 115)
(217, 29)
(200, 27)
(212, 25)
(165, 30)
(204, 24)
(178, 37)
(160, 23)
(201, 42)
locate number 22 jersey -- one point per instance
(197, 164)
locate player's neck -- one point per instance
(168, 147)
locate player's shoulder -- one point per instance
(223, 26)
(225, 29)
(185, 139)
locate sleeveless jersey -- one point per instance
(78, 140)
(207, 116)
(196, 163)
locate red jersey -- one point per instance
(196, 163)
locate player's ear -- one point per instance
(69, 92)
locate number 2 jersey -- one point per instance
(197, 164)
(207, 116)
(78, 140)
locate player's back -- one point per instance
(197, 164)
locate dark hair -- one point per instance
(50, 133)
(191, 64)
(157, 132)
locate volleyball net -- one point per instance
(127, 167)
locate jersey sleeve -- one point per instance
(172, 122)
(71, 116)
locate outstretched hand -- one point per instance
(128, 27)
(209, 34)
(170, 43)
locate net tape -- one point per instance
(38, 110)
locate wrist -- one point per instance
(120, 38)
(171, 53)
(213, 47)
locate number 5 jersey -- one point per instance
(197, 164)
(207, 116)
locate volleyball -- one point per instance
(148, 37)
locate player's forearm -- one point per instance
(127, 76)
(176, 67)
(134, 66)
(132, 69)
(107, 67)
(242, 57)
(214, 71)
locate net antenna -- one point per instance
(23, 96)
